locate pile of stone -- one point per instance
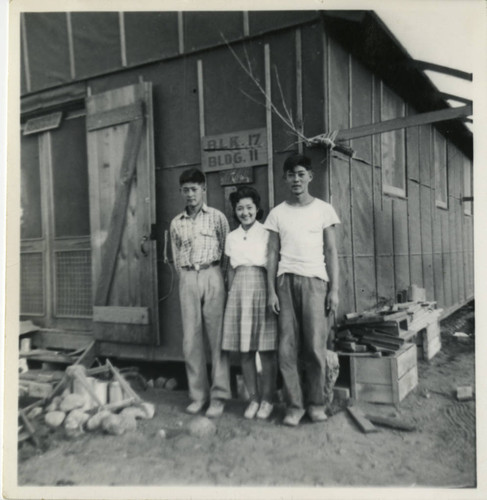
(89, 403)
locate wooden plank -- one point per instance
(404, 122)
(401, 240)
(374, 393)
(415, 253)
(373, 371)
(394, 423)
(426, 172)
(425, 65)
(119, 212)
(114, 117)
(359, 417)
(268, 121)
(129, 315)
(406, 360)
(124, 333)
(447, 281)
(426, 241)
(407, 383)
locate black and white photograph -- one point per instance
(240, 250)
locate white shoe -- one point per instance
(251, 410)
(265, 410)
(195, 407)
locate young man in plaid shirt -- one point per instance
(198, 240)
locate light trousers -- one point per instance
(202, 298)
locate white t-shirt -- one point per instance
(300, 230)
(247, 248)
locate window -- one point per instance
(467, 186)
(441, 170)
(393, 155)
(55, 227)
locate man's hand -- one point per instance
(273, 303)
(331, 303)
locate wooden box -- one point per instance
(426, 334)
(384, 380)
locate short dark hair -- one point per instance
(192, 175)
(294, 160)
(246, 192)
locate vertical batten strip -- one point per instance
(268, 119)
(326, 110)
(201, 98)
(180, 33)
(246, 24)
(23, 31)
(123, 44)
(48, 221)
(350, 172)
(72, 66)
(299, 87)
(375, 141)
(201, 108)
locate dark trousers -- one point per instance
(303, 329)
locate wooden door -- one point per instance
(122, 214)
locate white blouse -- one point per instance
(247, 248)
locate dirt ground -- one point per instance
(441, 451)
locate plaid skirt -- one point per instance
(248, 325)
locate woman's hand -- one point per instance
(273, 303)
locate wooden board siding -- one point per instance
(401, 251)
(283, 59)
(425, 194)
(415, 248)
(206, 29)
(313, 77)
(426, 170)
(445, 240)
(412, 151)
(229, 94)
(454, 261)
(385, 252)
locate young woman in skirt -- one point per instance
(248, 326)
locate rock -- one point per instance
(71, 402)
(119, 424)
(134, 411)
(162, 434)
(160, 382)
(150, 383)
(171, 384)
(96, 420)
(54, 404)
(34, 412)
(201, 427)
(128, 423)
(76, 418)
(54, 418)
(149, 410)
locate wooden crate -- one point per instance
(386, 379)
(426, 334)
(428, 341)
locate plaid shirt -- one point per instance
(200, 240)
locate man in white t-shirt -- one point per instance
(302, 252)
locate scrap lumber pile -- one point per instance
(385, 331)
(87, 399)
